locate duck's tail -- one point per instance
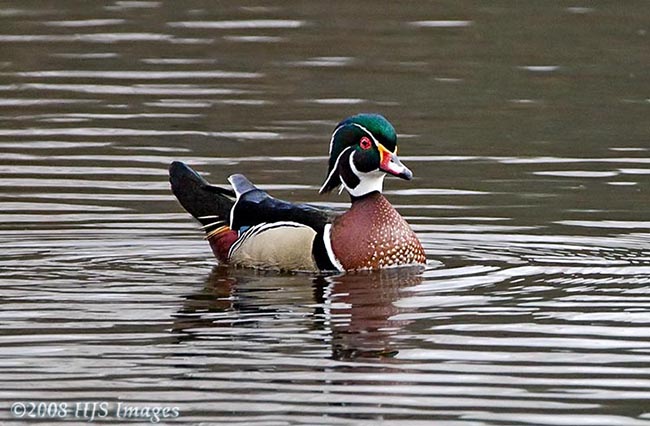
(209, 204)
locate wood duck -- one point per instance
(247, 227)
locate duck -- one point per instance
(247, 227)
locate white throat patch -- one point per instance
(369, 182)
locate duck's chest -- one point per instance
(373, 235)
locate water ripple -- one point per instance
(442, 24)
(240, 24)
(137, 89)
(137, 75)
(85, 23)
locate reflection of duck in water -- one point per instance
(355, 314)
(362, 311)
(247, 227)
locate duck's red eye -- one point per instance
(365, 143)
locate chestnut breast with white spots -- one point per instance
(373, 235)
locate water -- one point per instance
(526, 127)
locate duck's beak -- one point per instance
(389, 163)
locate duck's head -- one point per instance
(362, 150)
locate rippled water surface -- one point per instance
(525, 123)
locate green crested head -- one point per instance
(362, 149)
(376, 124)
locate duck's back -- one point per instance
(372, 235)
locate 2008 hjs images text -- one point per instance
(90, 411)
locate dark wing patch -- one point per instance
(256, 206)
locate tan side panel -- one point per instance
(285, 248)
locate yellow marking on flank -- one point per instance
(219, 230)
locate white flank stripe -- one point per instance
(327, 239)
(232, 209)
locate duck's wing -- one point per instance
(254, 206)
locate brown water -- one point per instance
(525, 123)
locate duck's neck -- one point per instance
(371, 196)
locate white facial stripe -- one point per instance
(368, 132)
(332, 138)
(353, 167)
(334, 169)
